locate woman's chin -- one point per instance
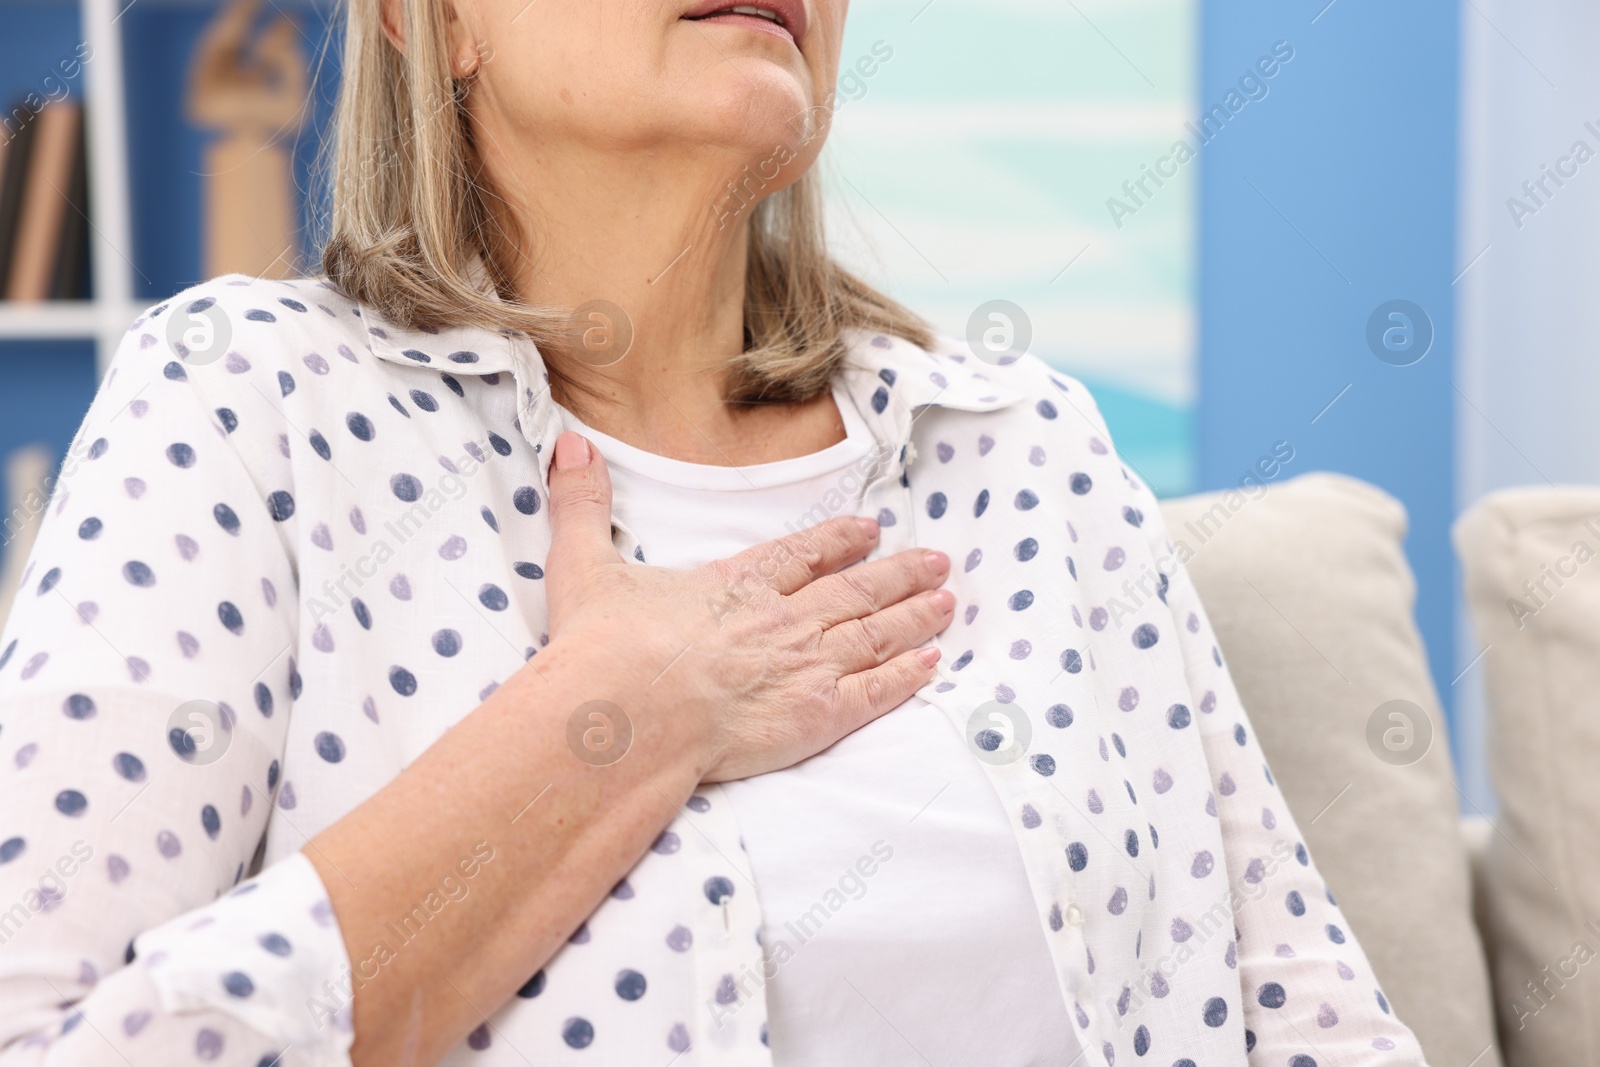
(756, 108)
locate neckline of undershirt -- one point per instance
(708, 476)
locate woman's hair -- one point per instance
(411, 207)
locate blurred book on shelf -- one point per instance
(14, 155)
(44, 204)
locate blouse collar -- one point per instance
(888, 378)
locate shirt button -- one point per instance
(1074, 915)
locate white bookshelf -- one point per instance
(105, 318)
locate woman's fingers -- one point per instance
(864, 696)
(861, 644)
(860, 591)
(580, 520)
(790, 563)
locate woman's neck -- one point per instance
(647, 237)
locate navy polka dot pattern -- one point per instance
(268, 582)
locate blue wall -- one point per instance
(1330, 196)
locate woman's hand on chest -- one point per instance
(765, 658)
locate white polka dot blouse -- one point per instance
(292, 543)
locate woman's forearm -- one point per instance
(559, 830)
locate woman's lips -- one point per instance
(754, 22)
(789, 22)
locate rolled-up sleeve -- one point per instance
(147, 674)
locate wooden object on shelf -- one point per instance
(251, 88)
(45, 204)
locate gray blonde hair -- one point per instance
(411, 208)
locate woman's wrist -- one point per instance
(617, 698)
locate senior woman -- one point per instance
(354, 710)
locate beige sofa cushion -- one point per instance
(1542, 665)
(1311, 597)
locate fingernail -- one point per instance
(944, 600)
(572, 450)
(938, 561)
(868, 526)
(929, 656)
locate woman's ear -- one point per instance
(393, 21)
(465, 53)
